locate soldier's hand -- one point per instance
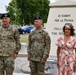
(29, 58)
(15, 56)
(43, 61)
(58, 64)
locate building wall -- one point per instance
(74, 0)
(56, 0)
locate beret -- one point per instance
(5, 15)
(38, 18)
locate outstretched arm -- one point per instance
(58, 52)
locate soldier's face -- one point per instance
(5, 21)
(37, 23)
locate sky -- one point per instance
(4, 3)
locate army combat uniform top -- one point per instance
(9, 41)
(39, 45)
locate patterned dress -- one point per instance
(66, 57)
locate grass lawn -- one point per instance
(23, 40)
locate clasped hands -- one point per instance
(42, 61)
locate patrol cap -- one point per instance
(38, 18)
(5, 15)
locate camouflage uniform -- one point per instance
(9, 45)
(38, 48)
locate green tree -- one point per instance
(24, 11)
(14, 12)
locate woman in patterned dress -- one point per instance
(65, 51)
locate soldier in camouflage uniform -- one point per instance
(38, 48)
(9, 45)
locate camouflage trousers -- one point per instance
(6, 65)
(37, 68)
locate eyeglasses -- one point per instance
(67, 29)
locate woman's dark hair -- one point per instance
(71, 28)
